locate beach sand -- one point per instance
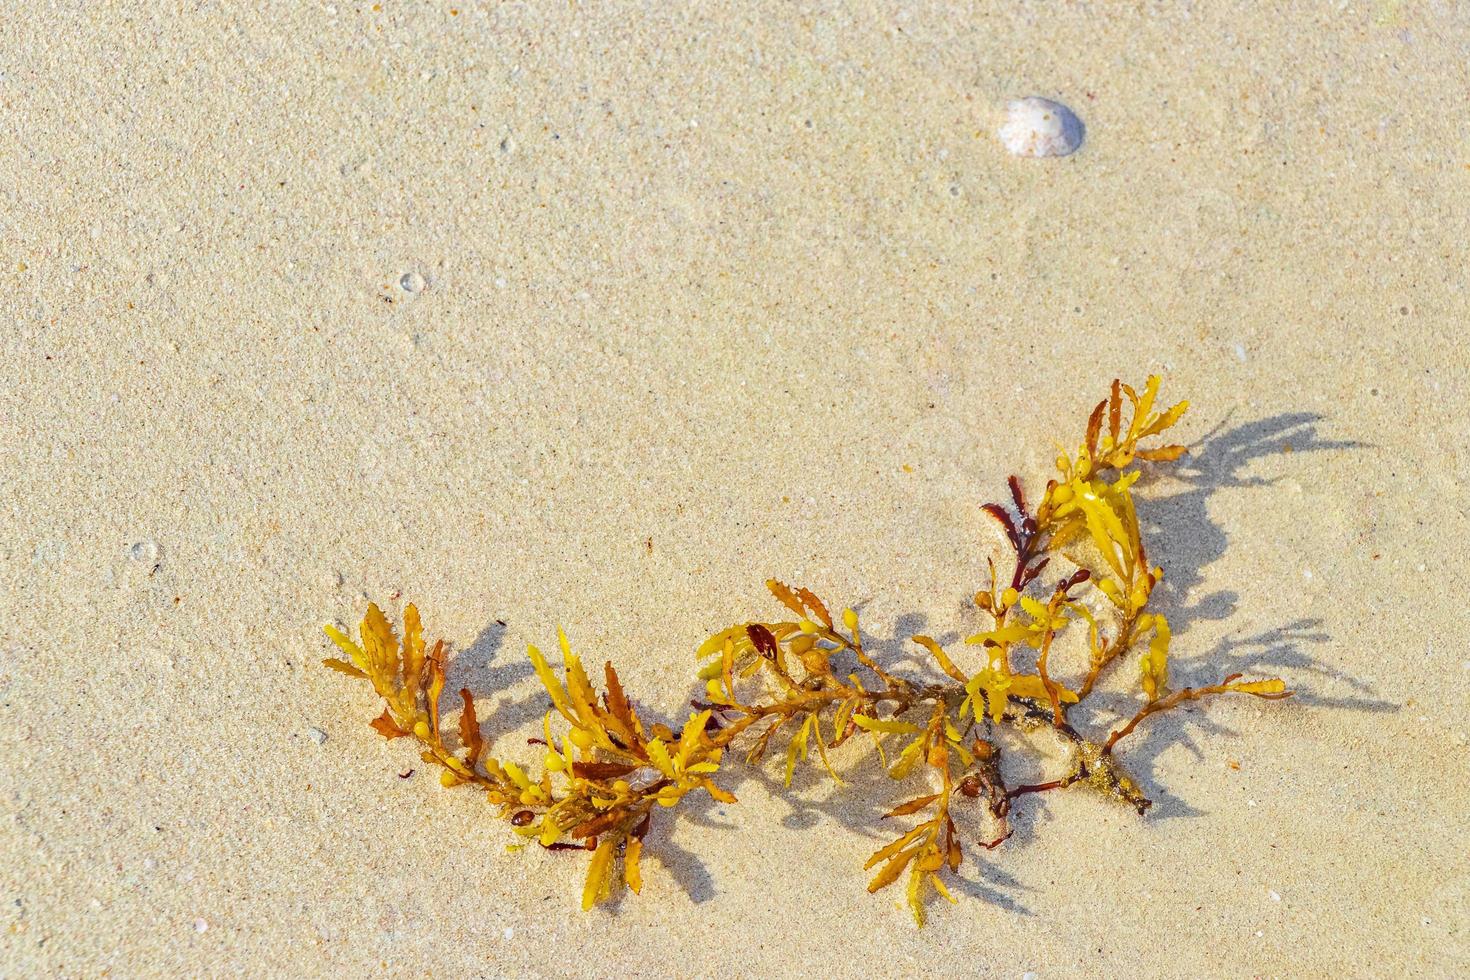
(545, 315)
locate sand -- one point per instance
(693, 299)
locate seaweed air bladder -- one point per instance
(803, 685)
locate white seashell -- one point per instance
(1037, 127)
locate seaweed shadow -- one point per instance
(489, 675)
(1192, 540)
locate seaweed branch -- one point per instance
(808, 683)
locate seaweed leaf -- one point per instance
(385, 726)
(469, 729)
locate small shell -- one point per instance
(1037, 127)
